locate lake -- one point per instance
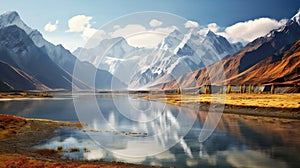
(126, 128)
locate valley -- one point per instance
(170, 92)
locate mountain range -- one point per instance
(186, 60)
(177, 54)
(271, 59)
(51, 67)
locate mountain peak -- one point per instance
(10, 18)
(211, 33)
(296, 17)
(11, 14)
(212, 36)
(175, 33)
(292, 22)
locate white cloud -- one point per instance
(88, 32)
(203, 31)
(49, 27)
(68, 41)
(150, 38)
(212, 27)
(82, 24)
(155, 23)
(191, 24)
(79, 23)
(93, 36)
(252, 29)
(139, 36)
(147, 40)
(116, 27)
(128, 30)
(166, 30)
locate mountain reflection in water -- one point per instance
(238, 140)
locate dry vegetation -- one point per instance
(268, 105)
(248, 100)
(12, 95)
(22, 161)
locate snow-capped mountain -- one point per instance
(183, 53)
(11, 18)
(116, 56)
(114, 47)
(58, 55)
(177, 54)
(19, 51)
(296, 18)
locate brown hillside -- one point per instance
(271, 70)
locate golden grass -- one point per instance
(48, 152)
(23, 161)
(58, 123)
(248, 100)
(10, 125)
(14, 95)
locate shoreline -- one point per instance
(286, 113)
(240, 104)
(24, 94)
(18, 135)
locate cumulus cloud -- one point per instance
(150, 38)
(88, 32)
(49, 27)
(82, 24)
(191, 24)
(136, 35)
(79, 23)
(252, 29)
(155, 23)
(116, 27)
(93, 36)
(139, 36)
(212, 27)
(165, 30)
(128, 30)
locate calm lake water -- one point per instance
(126, 128)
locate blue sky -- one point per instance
(224, 13)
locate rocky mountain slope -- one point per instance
(12, 79)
